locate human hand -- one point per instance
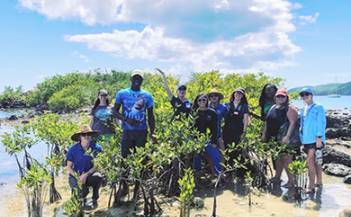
(83, 178)
(319, 143)
(285, 140)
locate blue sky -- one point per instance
(306, 42)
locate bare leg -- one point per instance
(279, 164)
(319, 172)
(287, 160)
(311, 168)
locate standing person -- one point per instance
(101, 118)
(80, 162)
(266, 100)
(180, 104)
(236, 119)
(312, 133)
(281, 113)
(206, 119)
(215, 98)
(137, 115)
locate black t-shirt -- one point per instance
(234, 119)
(180, 107)
(275, 118)
(205, 120)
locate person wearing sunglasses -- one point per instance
(312, 133)
(215, 98)
(101, 118)
(80, 162)
(181, 105)
(281, 113)
(206, 119)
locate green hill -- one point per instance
(327, 89)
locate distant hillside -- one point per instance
(327, 89)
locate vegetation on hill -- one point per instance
(74, 90)
(327, 89)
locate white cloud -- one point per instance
(310, 19)
(195, 35)
(78, 55)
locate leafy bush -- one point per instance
(12, 97)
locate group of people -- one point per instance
(226, 122)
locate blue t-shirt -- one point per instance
(103, 121)
(134, 106)
(82, 162)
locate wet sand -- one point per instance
(335, 197)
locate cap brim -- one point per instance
(216, 93)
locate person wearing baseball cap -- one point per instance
(281, 114)
(80, 162)
(137, 116)
(181, 105)
(312, 133)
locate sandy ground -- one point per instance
(229, 204)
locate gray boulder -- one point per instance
(347, 179)
(337, 170)
(331, 155)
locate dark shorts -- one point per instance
(307, 147)
(131, 140)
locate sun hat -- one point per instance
(281, 92)
(306, 90)
(103, 92)
(216, 92)
(240, 90)
(84, 129)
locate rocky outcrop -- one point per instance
(339, 124)
(337, 170)
(332, 155)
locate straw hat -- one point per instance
(215, 91)
(84, 129)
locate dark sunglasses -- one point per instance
(281, 96)
(304, 94)
(85, 134)
(104, 95)
(202, 100)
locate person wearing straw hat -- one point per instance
(137, 116)
(180, 104)
(81, 163)
(215, 98)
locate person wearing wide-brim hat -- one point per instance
(81, 163)
(236, 121)
(215, 92)
(215, 98)
(181, 105)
